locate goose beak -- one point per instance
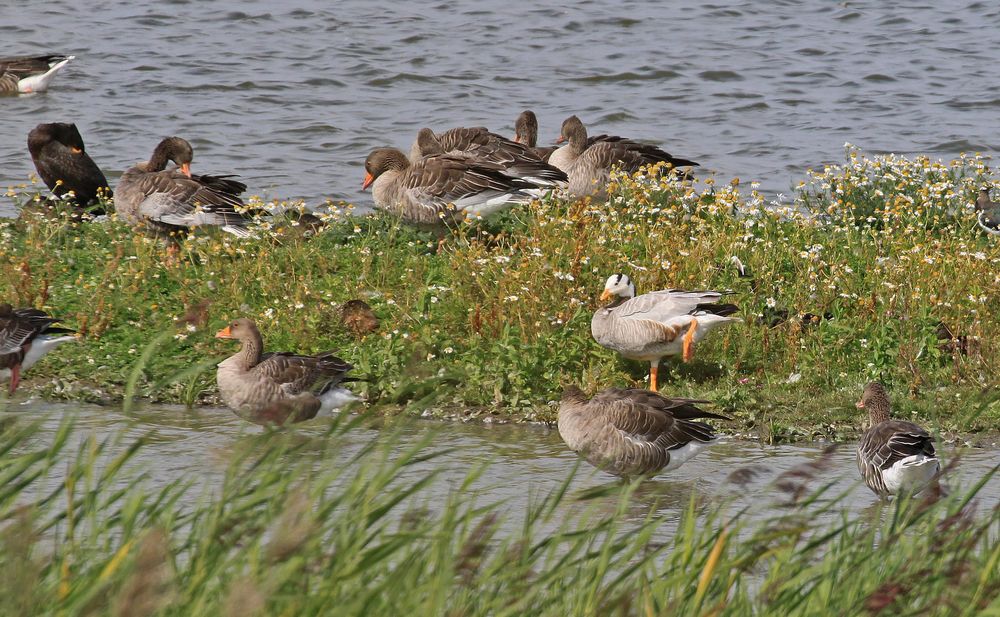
(186, 169)
(76, 150)
(560, 139)
(368, 181)
(606, 295)
(860, 404)
(224, 333)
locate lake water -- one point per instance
(293, 95)
(524, 462)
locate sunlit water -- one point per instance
(293, 95)
(524, 462)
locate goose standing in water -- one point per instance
(62, 162)
(168, 202)
(477, 145)
(657, 324)
(24, 74)
(987, 212)
(26, 334)
(894, 456)
(588, 161)
(278, 387)
(633, 432)
(444, 188)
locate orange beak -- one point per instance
(860, 404)
(224, 333)
(186, 169)
(76, 150)
(607, 295)
(368, 181)
(560, 139)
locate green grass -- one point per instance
(494, 318)
(292, 529)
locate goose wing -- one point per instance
(606, 151)
(173, 198)
(296, 374)
(887, 443)
(666, 304)
(648, 418)
(515, 158)
(25, 66)
(437, 181)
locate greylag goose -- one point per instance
(275, 388)
(479, 145)
(62, 162)
(894, 456)
(526, 132)
(987, 212)
(166, 202)
(23, 74)
(633, 432)
(588, 162)
(441, 188)
(26, 334)
(657, 324)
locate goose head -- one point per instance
(64, 133)
(382, 160)
(240, 329)
(573, 131)
(876, 400)
(173, 149)
(618, 286)
(526, 129)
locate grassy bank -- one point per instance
(288, 530)
(489, 321)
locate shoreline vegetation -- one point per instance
(873, 269)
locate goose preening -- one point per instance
(26, 334)
(441, 188)
(479, 145)
(278, 387)
(987, 212)
(894, 456)
(24, 74)
(526, 132)
(633, 432)
(657, 324)
(62, 162)
(588, 161)
(166, 202)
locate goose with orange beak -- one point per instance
(657, 324)
(278, 387)
(62, 162)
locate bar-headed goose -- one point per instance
(478, 145)
(441, 188)
(588, 161)
(62, 162)
(278, 387)
(657, 324)
(987, 212)
(633, 432)
(894, 456)
(166, 202)
(26, 334)
(24, 74)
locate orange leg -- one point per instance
(653, 370)
(689, 341)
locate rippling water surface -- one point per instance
(293, 95)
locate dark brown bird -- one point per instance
(526, 132)
(62, 162)
(24, 74)
(987, 212)
(588, 161)
(26, 334)
(633, 432)
(894, 456)
(166, 202)
(358, 317)
(278, 387)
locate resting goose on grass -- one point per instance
(480, 146)
(62, 162)
(633, 432)
(168, 202)
(443, 188)
(987, 212)
(24, 74)
(26, 334)
(588, 161)
(894, 456)
(657, 324)
(278, 387)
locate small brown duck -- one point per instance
(26, 334)
(358, 317)
(894, 456)
(278, 387)
(633, 432)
